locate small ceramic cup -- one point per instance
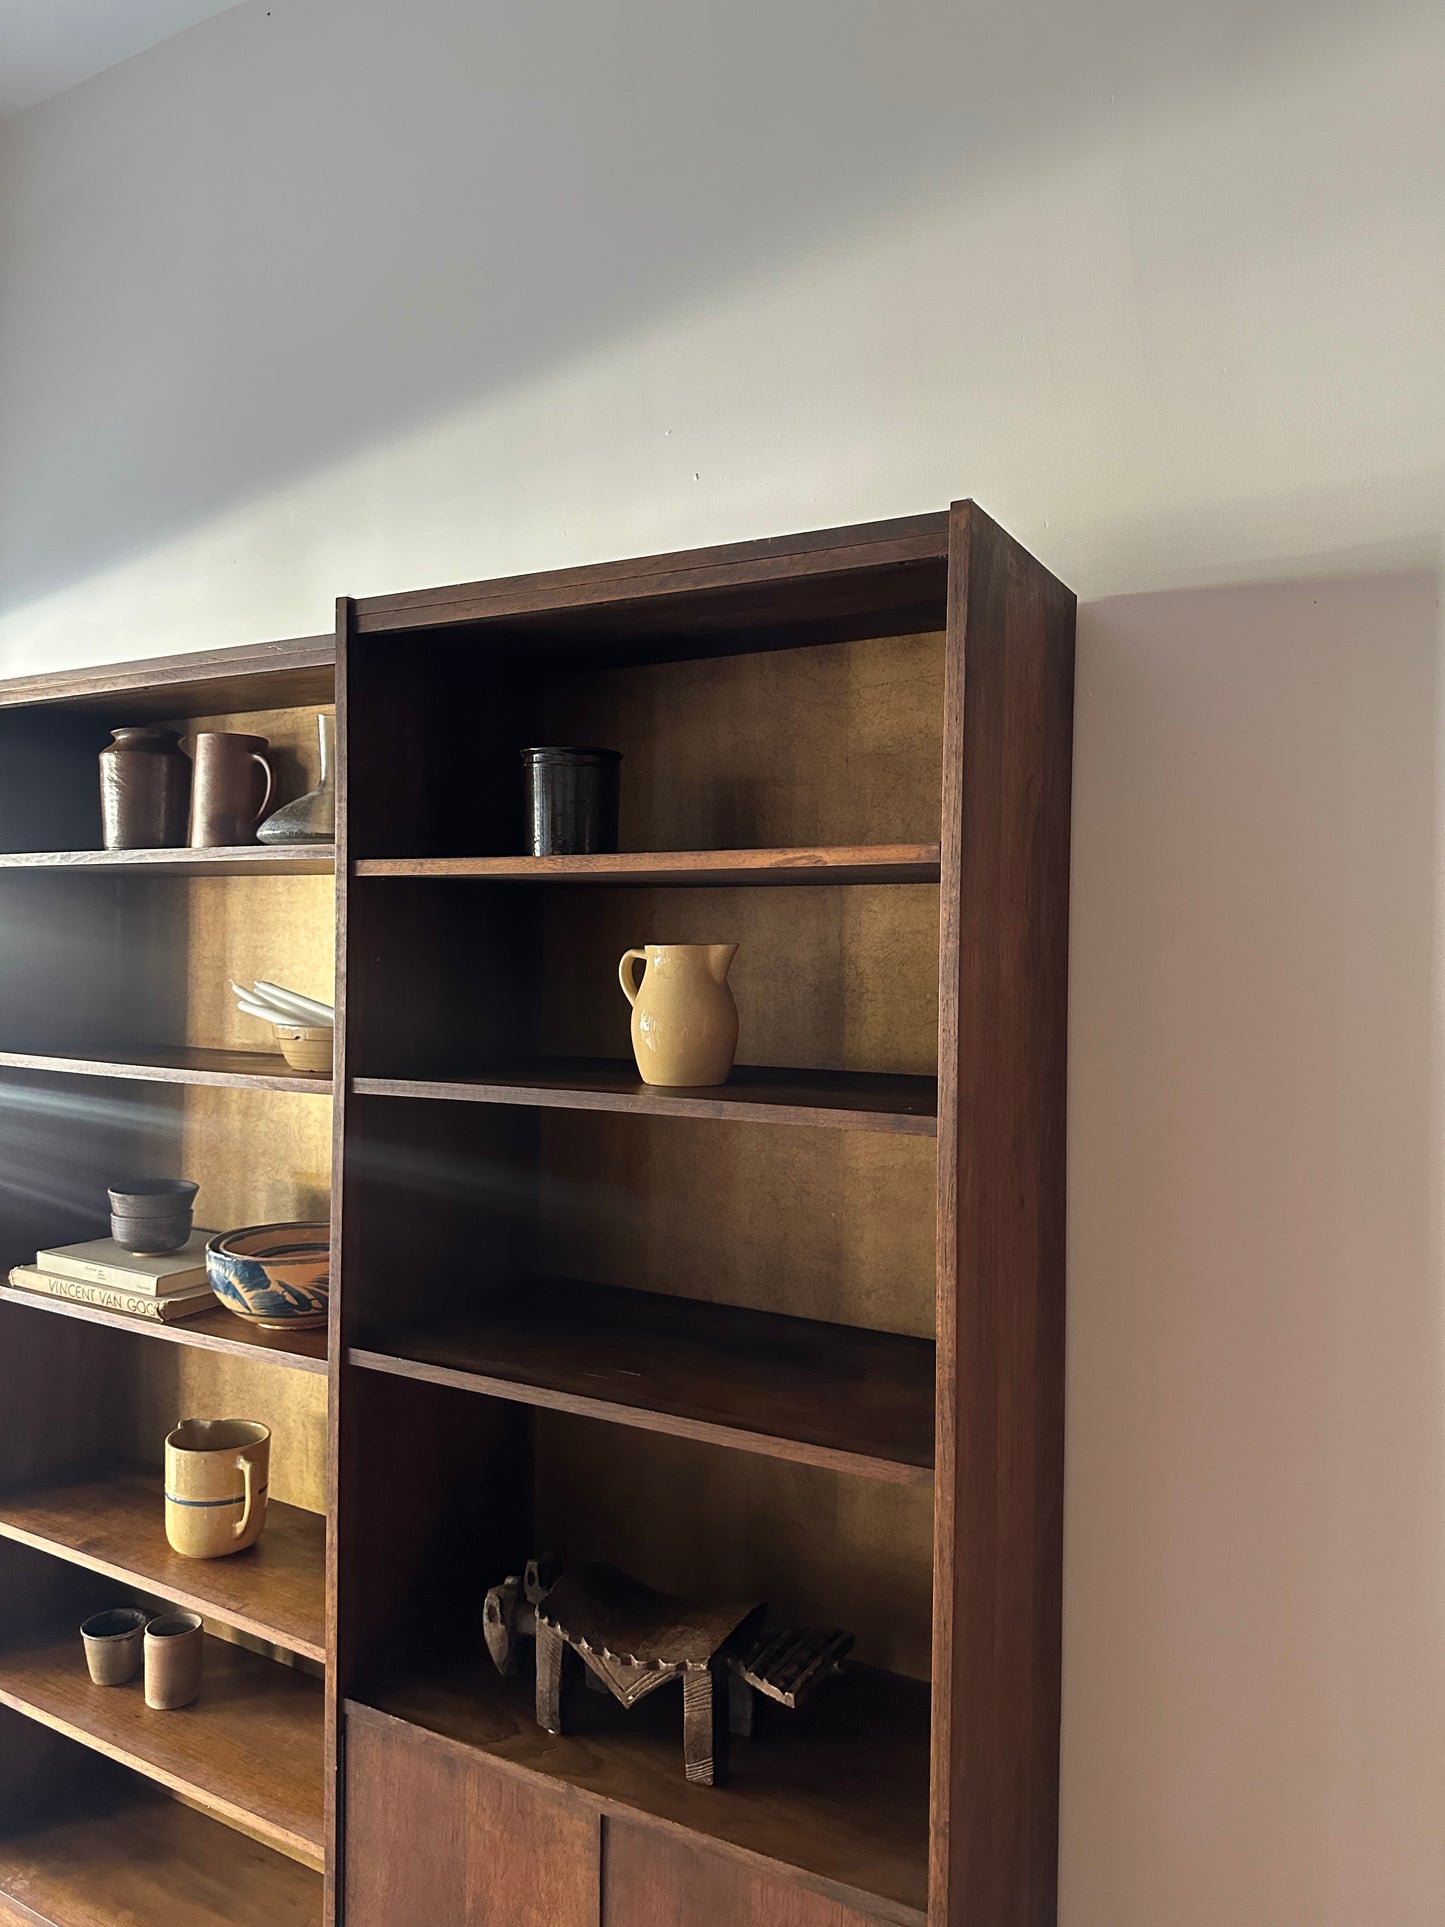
(152, 1215)
(113, 1645)
(174, 1648)
(217, 1475)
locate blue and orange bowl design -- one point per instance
(276, 1276)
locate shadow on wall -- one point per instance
(1254, 1728)
(309, 227)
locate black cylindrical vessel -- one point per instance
(572, 799)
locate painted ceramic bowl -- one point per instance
(273, 1275)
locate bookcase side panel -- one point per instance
(1004, 950)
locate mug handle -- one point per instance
(257, 757)
(630, 987)
(247, 1469)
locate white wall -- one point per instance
(1255, 1539)
(333, 296)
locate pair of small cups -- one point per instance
(170, 1644)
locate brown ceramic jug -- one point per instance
(229, 797)
(145, 786)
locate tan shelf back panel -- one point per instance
(713, 1524)
(171, 1382)
(838, 978)
(834, 744)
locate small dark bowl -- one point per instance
(150, 1216)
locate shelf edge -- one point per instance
(185, 1597)
(304, 1846)
(648, 1419)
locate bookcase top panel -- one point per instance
(876, 578)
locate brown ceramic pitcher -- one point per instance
(231, 790)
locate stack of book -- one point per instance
(103, 1273)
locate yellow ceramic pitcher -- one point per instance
(684, 1020)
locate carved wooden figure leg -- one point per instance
(742, 1707)
(705, 1726)
(551, 1652)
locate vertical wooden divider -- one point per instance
(338, 1642)
(1001, 1110)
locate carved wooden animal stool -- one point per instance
(633, 1639)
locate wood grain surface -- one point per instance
(1002, 1078)
(837, 1790)
(253, 860)
(857, 863)
(249, 1748)
(121, 1853)
(173, 1064)
(789, 1388)
(656, 1878)
(500, 1850)
(218, 1330)
(834, 577)
(828, 1100)
(201, 681)
(113, 1521)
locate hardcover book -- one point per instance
(101, 1261)
(163, 1310)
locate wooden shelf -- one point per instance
(210, 682)
(789, 1388)
(244, 1070)
(210, 1331)
(125, 1853)
(112, 1520)
(249, 1749)
(256, 859)
(837, 1100)
(838, 1790)
(860, 863)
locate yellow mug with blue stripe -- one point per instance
(217, 1474)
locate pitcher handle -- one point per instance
(247, 1469)
(257, 757)
(624, 973)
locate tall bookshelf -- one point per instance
(799, 1337)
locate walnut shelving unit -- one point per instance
(799, 1337)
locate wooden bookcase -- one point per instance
(796, 1338)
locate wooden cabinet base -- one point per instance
(434, 1836)
(501, 1850)
(657, 1879)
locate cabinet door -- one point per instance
(438, 1837)
(655, 1879)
